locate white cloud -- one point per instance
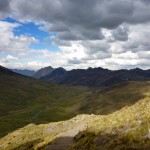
(76, 54)
(11, 43)
(10, 57)
(114, 34)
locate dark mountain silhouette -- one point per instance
(56, 75)
(91, 77)
(4, 71)
(97, 77)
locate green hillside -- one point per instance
(114, 98)
(128, 128)
(24, 100)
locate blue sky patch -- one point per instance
(33, 30)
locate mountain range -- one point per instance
(31, 100)
(98, 77)
(91, 77)
(105, 116)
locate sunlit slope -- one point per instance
(128, 128)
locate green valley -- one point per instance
(24, 100)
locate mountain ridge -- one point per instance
(91, 77)
(99, 77)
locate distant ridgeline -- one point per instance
(91, 77)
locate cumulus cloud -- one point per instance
(138, 38)
(31, 65)
(88, 33)
(93, 47)
(11, 43)
(120, 33)
(82, 19)
(10, 57)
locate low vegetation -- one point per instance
(128, 128)
(25, 100)
(22, 100)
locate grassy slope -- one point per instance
(21, 98)
(128, 128)
(96, 102)
(114, 98)
(25, 100)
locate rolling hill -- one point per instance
(25, 100)
(21, 98)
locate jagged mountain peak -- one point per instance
(43, 72)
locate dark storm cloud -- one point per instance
(55, 41)
(146, 1)
(4, 8)
(80, 34)
(105, 28)
(94, 47)
(120, 34)
(4, 5)
(74, 61)
(81, 19)
(98, 49)
(97, 56)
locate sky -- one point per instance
(113, 34)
